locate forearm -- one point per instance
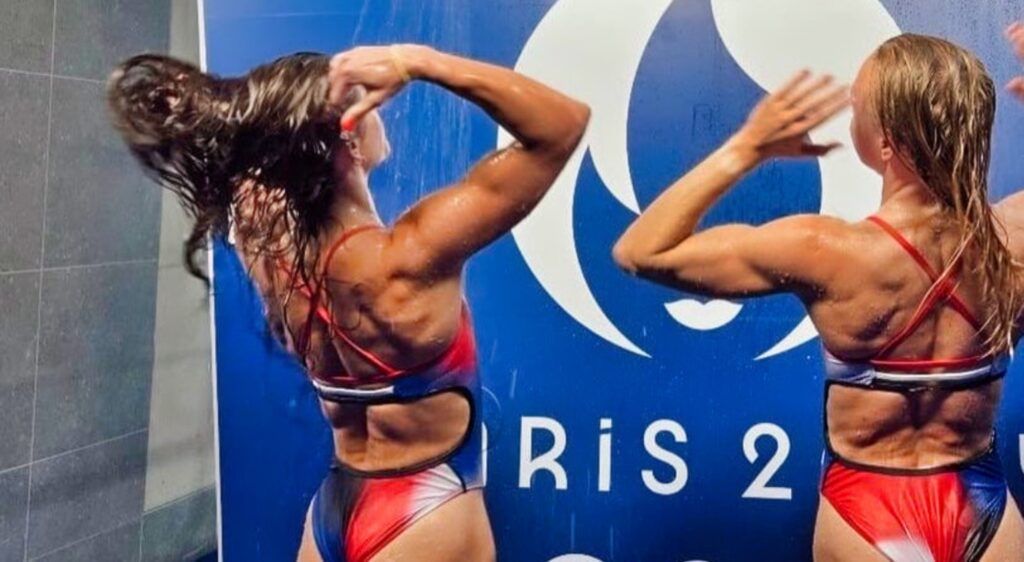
(675, 214)
(539, 117)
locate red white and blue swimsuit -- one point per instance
(943, 514)
(357, 513)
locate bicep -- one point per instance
(447, 227)
(745, 261)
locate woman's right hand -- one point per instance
(381, 71)
(1015, 33)
(778, 125)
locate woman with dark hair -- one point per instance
(918, 307)
(376, 313)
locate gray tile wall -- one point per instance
(79, 229)
(182, 530)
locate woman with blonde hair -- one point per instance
(918, 307)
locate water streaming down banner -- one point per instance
(624, 421)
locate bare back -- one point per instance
(398, 320)
(872, 294)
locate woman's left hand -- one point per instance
(381, 71)
(1015, 33)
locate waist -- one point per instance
(985, 459)
(912, 430)
(398, 437)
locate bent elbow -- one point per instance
(627, 257)
(577, 119)
(581, 120)
(580, 117)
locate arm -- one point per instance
(1010, 211)
(1010, 214)
(1015, 34)
(441, 231)
(738, 260)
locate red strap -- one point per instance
(387, 372)
(345, 237)
(938, 292)
(954, 300)
(943, 289)
(301, 343)
(317, 309)
(369, 357)
(917, 365)
(327, 316)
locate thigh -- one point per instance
(308, 551)
(836, 541)
(1008, 543)
(458, 531)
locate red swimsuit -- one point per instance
(942, 514)
(357, 513)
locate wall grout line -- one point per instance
(73, 267)
(106, 441)
(81, 448)
(24, 72)
(14, 468)
(79, 79)
(39, 301)
(180, 499)
(79, 266)
(20, 271)
(50, 75)
(90, 537)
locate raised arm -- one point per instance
(441, 231)
(1010, 211)
(738, 260)
(1015, 33)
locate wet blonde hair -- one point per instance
(936, 105)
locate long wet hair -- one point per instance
(936, 105)
(203, 137)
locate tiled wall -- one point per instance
(180, 501)
(79, 232)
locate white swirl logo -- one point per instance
(591, 49)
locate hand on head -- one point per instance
(381, 71)
(779, 124)
(1015, 34)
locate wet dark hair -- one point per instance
(203, 137)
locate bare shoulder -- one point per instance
(827, 248)
(817, 232)
(1009, 213)
(356, 256)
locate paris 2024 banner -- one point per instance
(624, 422)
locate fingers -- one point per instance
(831, 102)
(820, 93)
(336, 79)
(808, 91)
(1015, 33)
(354, 114)
(1016, 87)
(820, 102)
(795, 82)
(811, 102)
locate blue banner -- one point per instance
(624, 421)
